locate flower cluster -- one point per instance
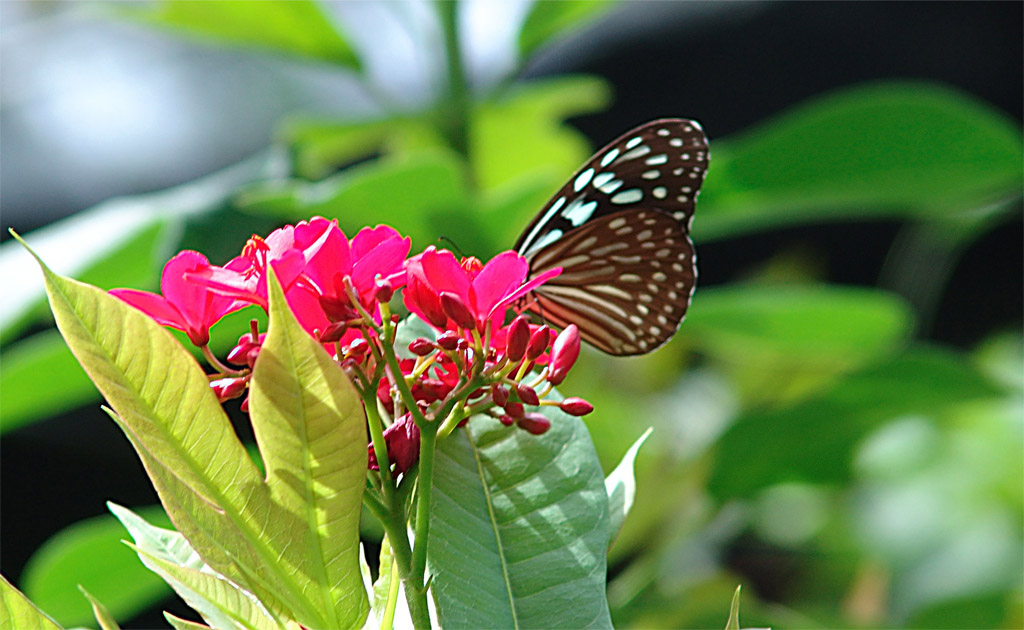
(341, 290)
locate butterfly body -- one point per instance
(619, 228)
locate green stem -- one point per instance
(380, 448)
(428, 443)
(456, 108)
(388, 620)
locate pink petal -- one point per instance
(368, 238)
(443, 273)
(500, 276)
(153, 305)
(523, 290)
(385, 259)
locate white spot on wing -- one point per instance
(609, 157)
(583, 179)
(632, 195)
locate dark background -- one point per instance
(729, 65)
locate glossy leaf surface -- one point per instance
(519, 528)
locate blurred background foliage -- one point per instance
(838, 425)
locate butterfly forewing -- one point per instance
(659, 165)
(619, 229)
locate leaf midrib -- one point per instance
(494, 526)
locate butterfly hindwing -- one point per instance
(626, 281)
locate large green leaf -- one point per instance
(814, 440)
(28, 395)
(519, 528)
(204, 476)
(297, 27)
(891, 150)
(16, 611)
(549, 20)
(89, 553)
(309, 423)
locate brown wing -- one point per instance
(626, 280)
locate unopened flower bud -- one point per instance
(430, 389)
(576, 406)
(518, 338)
(527, 394)
(333, 332)
(228, 388)
(337, 310)
(564, 352)
(507, 420)
(538, 343)
(514, 409)
(457, 310)
(244, 407)
(358, 348)
(384, 291)
(535, 423)
(421, 347)
(499, 394)
(449, 341)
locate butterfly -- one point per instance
(620, 231)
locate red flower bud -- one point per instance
(244, 407)
(333, 332)
(518, 338)
(384, 291)
(338, 310)
(576, 406)
(507, 420)
(535, 423)
(430, 389)
(457, 310)
(449, 341)
(358, 348)
(421, 347)
(403, 443)
(527, 394)
(514, 409)
(499, 394)
(228, 388)
(538, 343)
(564, 352)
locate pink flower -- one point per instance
(486, 291)
(372, 253)
(287, 250)
(185, 305)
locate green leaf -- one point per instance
(296, 27)
(549, 20)
(103, 616)
(522, 133)
(733, 622)
(621, 487)
(166, 553)
(309, 423)
(183, 624)
(90, 554)
(814, 440)
(519, 528)
(204, 476)
(408, 192)
(16, 611)
(878, 150)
